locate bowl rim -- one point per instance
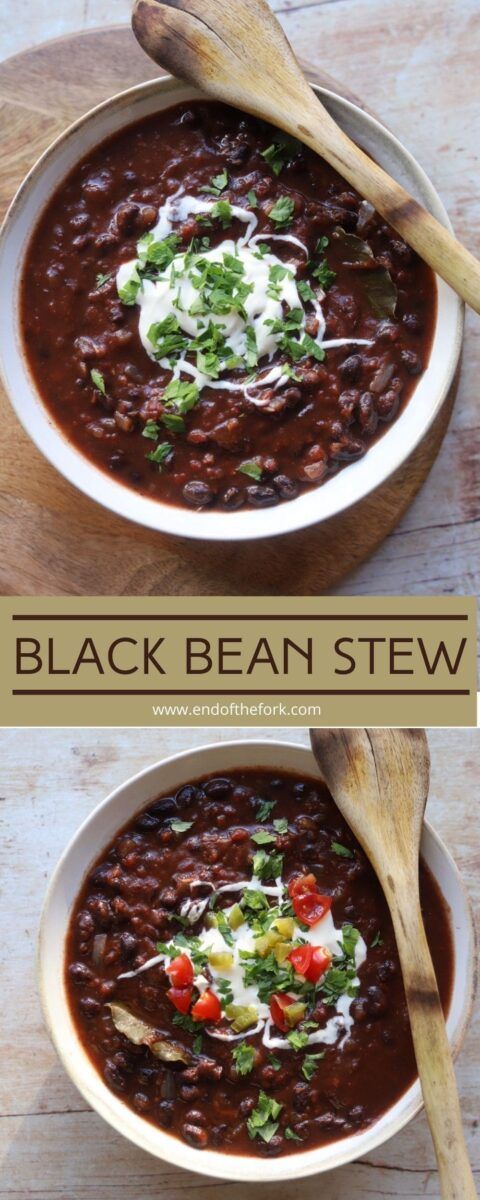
(215, 1163)
(205, 525)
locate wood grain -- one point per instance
(51, 1146)
(52, 539)
(379, 778)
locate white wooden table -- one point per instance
(52, 1147)
(415, 62)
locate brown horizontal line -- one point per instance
(240, 616)
(241, 692)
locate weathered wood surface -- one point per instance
(51, 1146)
(54, 540)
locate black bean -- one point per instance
(195, 1136)
(114, 1076)
(347, 449)
(286, 487)
(141, 1102)
(165, 1113)
(261, 496)
(189, 795)
(301, 1097)
(351, 368)
(197, 493)
(413, 323)
(366, 413)
(377, 1001)
(218, 787)
(412, 362)
(292, 396)
(164, 808)
(232, 498)
(89, 1006)
(128, 945)
(147, 820)
(80, 974)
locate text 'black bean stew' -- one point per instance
(233, 973)
(210, 312)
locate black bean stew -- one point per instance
(272, 1018)
(195, 416)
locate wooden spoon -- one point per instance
(236, 51)
(379, 780)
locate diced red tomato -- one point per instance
(301, 958)
(207, 1007)
(311, 907)
(180, 971)
(301, 884)
(310, 961)
(181, 998)
(319, 963)
(278, 1002)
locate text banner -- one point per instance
(227, 661)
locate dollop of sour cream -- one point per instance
(242, 940)
(271, 290)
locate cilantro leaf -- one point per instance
(281, 825)
(180, 826)
(267, 866)
(243, 1056)
(262, 837)
(290, 1134)
(98, 381)
(264, 808)
(377, 941)
(101, 279)
(262, 1121)
(297, 1038)
(160, 454)
(310, 1064)
(251, 468)
(217, 184)
(151, 430)
(252, 198)
(342, 851)
(282, 212)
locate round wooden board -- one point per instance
(56, 541)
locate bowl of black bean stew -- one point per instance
(219, 971)
(215, 335)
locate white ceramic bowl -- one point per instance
(344, 489)
(96, 833)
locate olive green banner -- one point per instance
(202, 661)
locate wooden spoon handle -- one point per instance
(435, 244)
(432, 1052)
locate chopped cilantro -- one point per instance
(224, 987)
(129, 291)
(180, 826)
(160, 454)
(324, 274)
(274, 1062)
(252, 198)
(101, 279)
(223, 926)
(185, 1022)
(342, 851)
(173, 422)
(262, 1121)
(251, 468)
(377, 941)
(310, 1064)
(151, 430)
(282, 212)
(262, 837)
(197, 1043)
(264, 808)
(290, 1134)
(298, 1039)
(281, 825)
(267, 866)
(98, 381)
(181, 396)
(305, 291)
(280, 153)
(222, 211)
(217, 184)
(243, 1057)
